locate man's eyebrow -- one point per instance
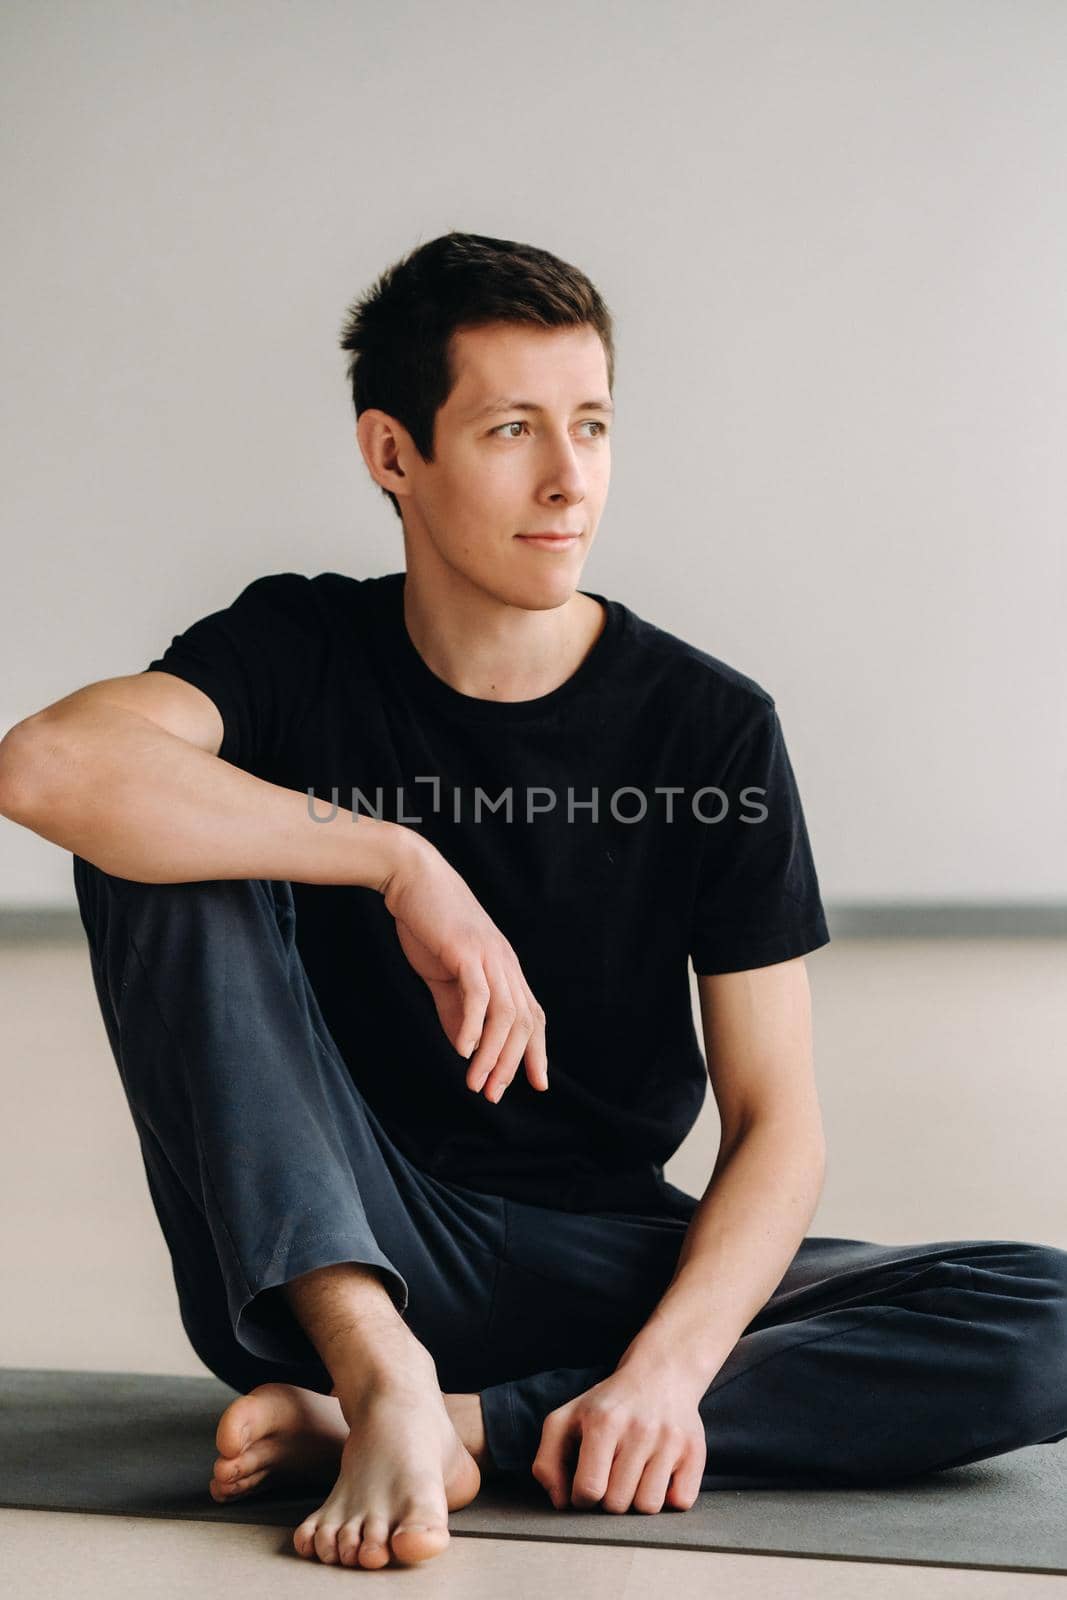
(503, 404)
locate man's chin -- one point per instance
(547, 596)
(555, 576)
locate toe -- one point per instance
(254, 1479)
(304, 1538)
(325, 1542)
(374, 1542)
(259, 1454)
(237, 1425)
(422, 1533)
(348, 1545)
(228, 1469)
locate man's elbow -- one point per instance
(20, 760)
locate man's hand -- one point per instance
(638, 1442)
(470, 969)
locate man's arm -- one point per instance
(767, 1179)
(125, 773)
(641, 1440)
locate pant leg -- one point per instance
(868, 1363)
(263, 1159)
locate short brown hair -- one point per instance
(399, 331)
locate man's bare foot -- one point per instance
(296, 1436)
(279, 1431)
(403, 1465)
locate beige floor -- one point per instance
(941, 1076)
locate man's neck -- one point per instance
(491, 650)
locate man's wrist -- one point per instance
(682, 1363)
(401, 846)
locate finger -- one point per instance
(685, 1485)
(536, 1052)
(475, 991)
(651, 1491)
(499, 1021)
(508, 1061)
(531, 1020)
(549, 1463)
(600, 1441)
(515, 1046)
(627, 1470)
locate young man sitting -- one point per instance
(391, 886)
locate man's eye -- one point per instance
(520, 422)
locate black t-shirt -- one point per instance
(697, 847)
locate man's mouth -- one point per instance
(558, 541)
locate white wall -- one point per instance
(834, 239)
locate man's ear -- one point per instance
(381, 438)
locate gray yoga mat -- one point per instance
(134, 1444)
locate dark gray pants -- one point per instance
(869, 1362)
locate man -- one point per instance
(390, 887)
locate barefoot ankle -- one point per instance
(466, 1413)
(360, 1369)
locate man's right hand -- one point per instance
(471, 970)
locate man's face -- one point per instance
(516, 470)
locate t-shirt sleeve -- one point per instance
(757, 897)
(256, 660)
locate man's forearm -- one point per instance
(135, 800)
(741, 1239)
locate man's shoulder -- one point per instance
(303, 585)
(299, 596)
(683, 667)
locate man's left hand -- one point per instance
(640, 1442)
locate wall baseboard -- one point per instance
(52, 924)
(858, 919)
(967, 919)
